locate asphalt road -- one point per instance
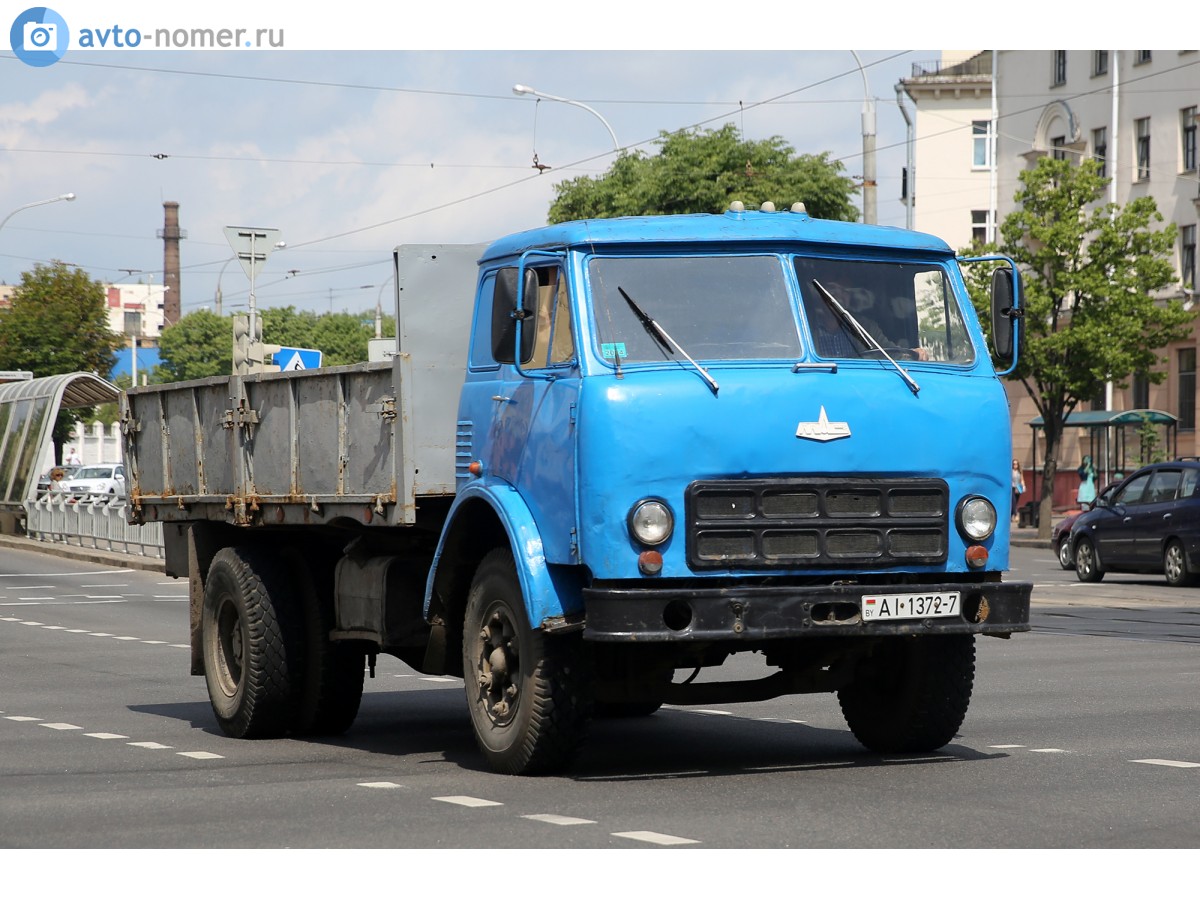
(1084, 733)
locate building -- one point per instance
(1134, 110)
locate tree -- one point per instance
(701, 172)
(1090, 271)
(58, 323)
(199, 345)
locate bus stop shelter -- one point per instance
(1116, 441)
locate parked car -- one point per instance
(106, 478)
(1060, 535)
(1150, 523)
(43, 484)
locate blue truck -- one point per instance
(607, 456)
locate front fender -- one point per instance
(549, 591)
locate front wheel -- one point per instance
(1087, 561)
(252, 646)
(1175, 566)
(525, 689)
(1064, 553)
(912, 694)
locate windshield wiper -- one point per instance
(864, 335)
(665, 340)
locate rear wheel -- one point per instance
(912, 694)
(252, 647)
(525, 689)
(1175, 566)
(1087, 561)
(1064, 553)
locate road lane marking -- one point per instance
(468, 801)
(66, 574)
(199, 754)
(127, 637)
(1049, 750)
(23, 718)
(150, 745)
(1175, 763)
(653, 837)
(62, 726)
(31, 623)
(382, 785)
(106, 736)
(711, 712)
(55, 627)
(552, 819)
(440, 679)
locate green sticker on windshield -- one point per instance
(612, 351)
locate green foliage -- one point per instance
(1090, 272)
(702, 171)
(200, 344)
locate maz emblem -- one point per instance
(823, 429)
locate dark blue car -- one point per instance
(1150, 523)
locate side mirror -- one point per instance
(505, 314)
(1004, 313)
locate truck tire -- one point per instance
(525, 689)
(252, 645)
(912, 695)
(333, 670)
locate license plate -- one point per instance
(909, 606)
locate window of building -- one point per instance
(1100, 149)
(1187, 389)
(1140, 392)
(981, 143)
(1099, 62)
(1142, 132)
(1187, 256)
(1187, 125)
(1140, 57)
(1057, 147)
(979, 226)
(1059, 76)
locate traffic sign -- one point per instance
(252, 246)
(293, 359)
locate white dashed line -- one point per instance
(107, 736)
(1175, 763)
(1005, 746)
(1049, 750)
(99, 633)
(23, 718)
(153, 642)
(381, 785)
(710, 712)
(468, 801)
(200, 754)
(653, 837)
(440, 680)
(552, 819)
(62, 726)
(126, 637)
(31, 623)
(150, 745)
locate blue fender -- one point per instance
(547, 591)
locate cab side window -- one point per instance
(554, 343)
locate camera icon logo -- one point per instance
(41, 36)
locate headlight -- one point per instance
(651, 522)
(976, 518)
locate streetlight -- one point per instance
(520, 89)
(868, 138)
(67, 197)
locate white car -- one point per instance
(106, 478)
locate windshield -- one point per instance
(95, 472)
(908, 308)
(713, 307)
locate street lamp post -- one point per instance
(520, 89)
(868, 141)
(67, 197)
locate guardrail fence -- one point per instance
(95, 522)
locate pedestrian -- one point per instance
(56, 480)
(73, 458)
(1086, 495)
(1018, 487)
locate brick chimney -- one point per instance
(171, 235)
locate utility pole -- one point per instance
(868, 142)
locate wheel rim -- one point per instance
(499, 665)
(231, 648)
(1084, 559)
(1064, 554)
(1174, 563)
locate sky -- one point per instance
(387, 126)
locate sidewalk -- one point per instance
(83, 554)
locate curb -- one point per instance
(84, 554)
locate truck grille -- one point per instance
(816, 523)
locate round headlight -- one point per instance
(976, 518)
(650, 522)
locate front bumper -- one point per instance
(664, 613)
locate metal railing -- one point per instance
(95, 522)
